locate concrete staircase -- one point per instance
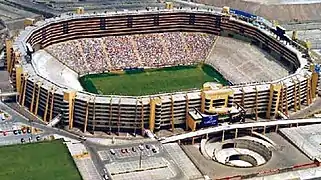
(107, 60)
(165, 45)
(135, 49)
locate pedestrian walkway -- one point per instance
(83, 161)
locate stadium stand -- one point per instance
(144, 50)
(114, 113)
(242, 62)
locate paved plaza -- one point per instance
(305, 138)
(155, 174)
(87, 169)
(83, 161)
(132, 166)
(181, 159)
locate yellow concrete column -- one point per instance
(80, 10)
(273, 88)
(28, 22)
(9, 54)
(282, 100)
(314, 84)
(277, 88)
(202, 101)
(152, 104)
(18, 77)
(69, 96)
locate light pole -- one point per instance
(30, 121)
(140, 159)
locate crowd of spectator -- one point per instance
(143, 50)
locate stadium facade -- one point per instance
(123, 113)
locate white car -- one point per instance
(82, 138)
(106, 177)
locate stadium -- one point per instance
(63, 96)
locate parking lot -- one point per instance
(138, 161)
(7, 125)
(134, 151)
(16, 139)
(155, 174)
(13, 133)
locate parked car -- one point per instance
(112, 152)
(147, 146)
(154, 149)
(133, 149)
(82, 138)
(106, 177)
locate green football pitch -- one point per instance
(146, 82)
(48, 160)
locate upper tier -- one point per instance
(68, 27)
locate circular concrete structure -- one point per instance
(242, 153)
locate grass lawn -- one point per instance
(148, 82)
(37, 161)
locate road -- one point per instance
(238, 126)
(21, 115)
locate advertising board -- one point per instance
(211, 120)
